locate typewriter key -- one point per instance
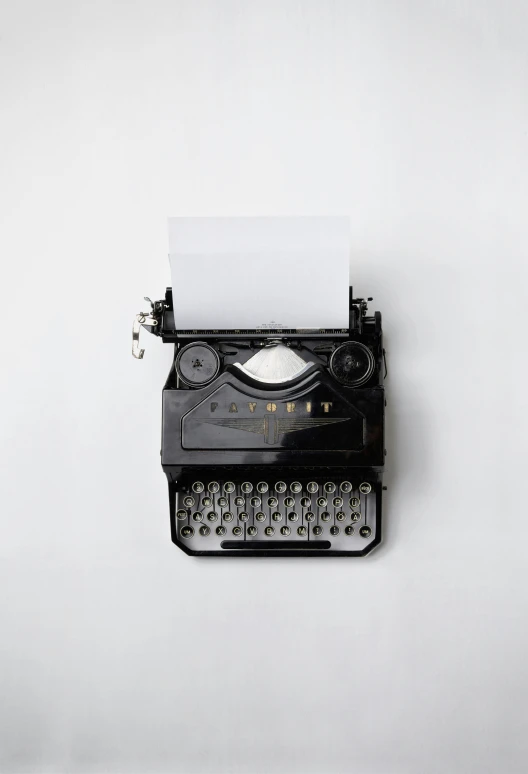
(356, 516)
(334, 530)
(181, 514)
(227, 516)
(269, 531)
(197, 516)
(197, 364)
(252, 531)
(237, 531)
(312, 487)
(365, 488)
(214, 487)
(285, 530)
(305, 502)
(272, 502)
(255, 502)
(338, 502)
(243, 516)
(346, 487)
(289, 502)
(276, 516)
(206, 502)
(187, 532)
(240, 501)
(325, 516)
(293, 516)
(354, 502)
(340, 516)
(317, 531)
(247, 487)
(349, 529)
(322, 502)
(309, 516)
(262, 487)
(302, 531)
(280, 487)
(329, 487)
(188, 501)
(221, 530)
(222, 502)
(204, 530)
(352, 364)
(198, 487)
(365, 532)
(229, 487)
(260, 516)
(212, 516)
(295, 487)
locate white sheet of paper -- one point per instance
(230, 273)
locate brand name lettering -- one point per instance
(304, 407)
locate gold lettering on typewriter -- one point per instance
(233, 408)
(214, 406)
(252, 407)
(271, 407)
(308, 406)
(290, 408)
(326, 406)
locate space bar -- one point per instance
(262, 545)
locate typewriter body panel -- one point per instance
(287, 465)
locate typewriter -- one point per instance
(273, 439)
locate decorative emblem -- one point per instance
(272, 427)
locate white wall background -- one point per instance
(119, 653)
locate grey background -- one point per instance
(120, 654)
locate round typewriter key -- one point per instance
(229, 487)
(354, 502)
(269, 531)
(188, 501)
(197, 516)
(302, 531)
(221, 530)
(214, 487)
(237, 531)
(280, 487)
(228, 516)
(222, 502)
(337, 502)
(289, 502)
(334, 530)
(317, 531)
(305, 502)
(352, 364)
(181, 514)
(285, 530)
(197, 364)
(346, 487)
(255, 502)
(293, 516)
(340, 516)
(276, 516)
(240, 501)
(295, 487)
(365, 488)
(187, 532)
(322, 502)
(206, 502)
(212, 516)
(325, 516)
(329, 487)
(252, 531)
(243, 516)
(309, 516)
(204, 530)
(247, 487)
(356, 516)
(349, 529)
(365, 532)
(272, 502)
(198, 487)
(312, 487)
(262, 487)
(260, 516)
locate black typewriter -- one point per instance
(273, 440)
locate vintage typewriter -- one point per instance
(273, 440)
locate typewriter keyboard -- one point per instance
(275, 515)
